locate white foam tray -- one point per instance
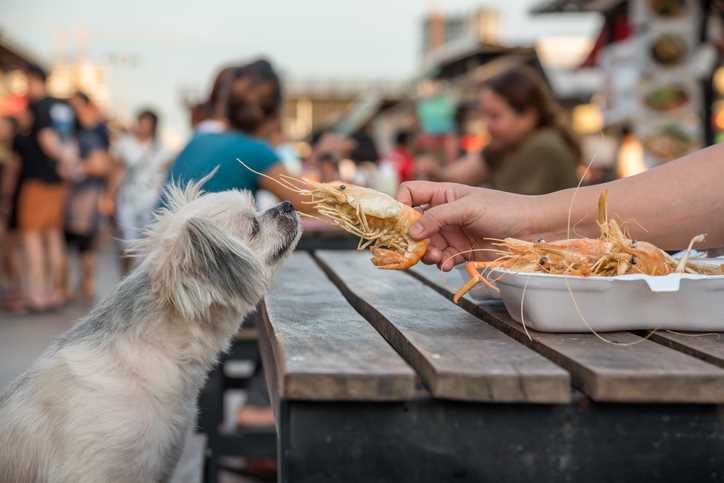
(683, 302)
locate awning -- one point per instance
(13, 57)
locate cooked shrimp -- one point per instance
(380, 221)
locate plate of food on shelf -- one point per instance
(670, 141)
(669, 49)
(668, 8)
(665, 98)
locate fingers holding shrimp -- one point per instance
(461, 217)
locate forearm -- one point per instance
(118, 173)
(50, 144)
(667, 205)
(282, 192)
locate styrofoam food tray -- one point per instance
(685, 302)
(484, 294)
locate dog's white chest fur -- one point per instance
(96, 405)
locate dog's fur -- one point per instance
(112, 399)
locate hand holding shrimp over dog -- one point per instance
(381, 222)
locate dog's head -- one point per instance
(214, 250)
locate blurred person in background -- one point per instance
(8, 130)
(252, 114)
(363, 147)
(328, 147)
(140, 169)
(401, 155)
(49, 157)
(9, 170)
(87, 183)
(531, 151)
(436, 110)
(13, 253)
(209, 116)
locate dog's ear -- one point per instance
(204, 267)
(173, 197)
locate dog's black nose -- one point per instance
(286, 207)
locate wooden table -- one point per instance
(376, 376)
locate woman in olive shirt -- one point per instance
(530, 150)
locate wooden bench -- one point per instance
(377, 376)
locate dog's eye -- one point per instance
(254, 227)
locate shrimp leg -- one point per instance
(475, 278)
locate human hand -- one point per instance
(461, 217)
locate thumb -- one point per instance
(432, 220)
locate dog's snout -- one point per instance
(286, 207)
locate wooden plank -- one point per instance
(271, 362)
(707, 347)
(321, 348)
(457, 355)
(645, 372)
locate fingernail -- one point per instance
(416, 229)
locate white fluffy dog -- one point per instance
(112, 399)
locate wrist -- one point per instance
(564, 214)
(542, 217)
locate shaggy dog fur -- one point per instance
(112, 399)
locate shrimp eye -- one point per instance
(342, 187)
(633, 260)
(543, 260)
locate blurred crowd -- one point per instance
(65, 176)
(70, 176)
(527, 146)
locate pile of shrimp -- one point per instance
(613, 253)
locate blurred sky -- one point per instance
(180, 44)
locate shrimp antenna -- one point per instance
(285, 184)
(301, 213)
(685, 259)
(473, 250)
(578, 187)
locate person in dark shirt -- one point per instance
(83, 217)
(10, 165)
(42, 196)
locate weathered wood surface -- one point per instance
(707, 347)
(457, 355)
(320, 347)
(645, 372)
